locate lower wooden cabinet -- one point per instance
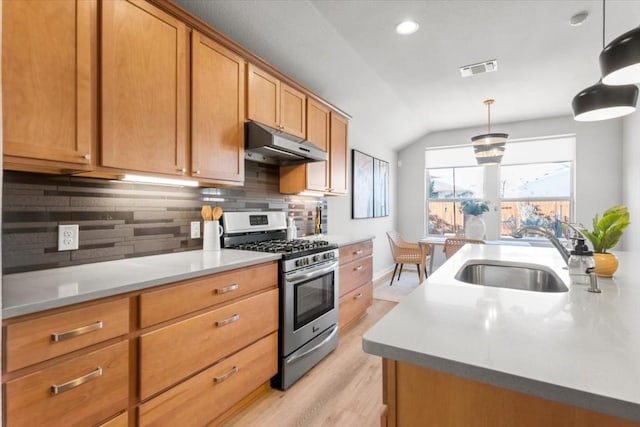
(206, 396)
(170, 354)
(82, 391)
(356, 285)
(413, 395)
(92, 364)
(354, 304)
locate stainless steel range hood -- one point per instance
(266, 145)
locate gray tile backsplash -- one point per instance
(124, 220)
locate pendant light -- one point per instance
(602, 102)
(489, 148)
(620, 59)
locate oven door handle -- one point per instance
(314, 348)
(303, 276)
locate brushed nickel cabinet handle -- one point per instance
(57, 337)
(358, 268)
(182, 170)
(196, 172)
(61, 388)
(223, 377)
(228, 320)
(87, 157)
(226, 289)
(358, 252)
(358, 295)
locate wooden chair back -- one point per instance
(453, 244)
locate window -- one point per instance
(449, 186)
(532, 186)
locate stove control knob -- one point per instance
(315, 258)
(297, 263)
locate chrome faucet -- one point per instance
(520, 232)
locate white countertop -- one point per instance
(30, 292)
(574, 347)
(340, 239)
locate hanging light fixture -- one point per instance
(602, 102)
(489, 148)
(620, 59)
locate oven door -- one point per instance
(310, 304)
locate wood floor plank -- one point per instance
(344, 389)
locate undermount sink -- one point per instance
(526, 277)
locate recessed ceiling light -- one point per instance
(407, 27)
(578, 19)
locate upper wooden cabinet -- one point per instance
(274, 103)
(48, 96)
(144, 88)
(217, 111)
(328, 131)
(339, 176)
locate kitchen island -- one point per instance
(505, 356)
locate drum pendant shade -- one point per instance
(620, 59)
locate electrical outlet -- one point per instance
(68, 236)
(195, 229)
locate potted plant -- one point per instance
(606, 234)
(474, 227)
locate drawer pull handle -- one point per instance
(231, 319)
(226, 289)
(57, 389)
(76, 332)
(358, 295)
(358, 252)
(358, 268)
(221, 378)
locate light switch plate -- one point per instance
(195, 229)
(68, 236)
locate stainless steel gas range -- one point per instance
(308, 281)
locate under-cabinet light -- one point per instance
(143, 179)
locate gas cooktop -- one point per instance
(289, 248)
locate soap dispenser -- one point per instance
(581, 264)
(292, 231)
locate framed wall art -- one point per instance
(370, 184)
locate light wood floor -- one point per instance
(344, 389)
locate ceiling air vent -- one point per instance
(479, 68)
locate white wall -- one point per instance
(631, 178)
(598, 165)
(339, 208)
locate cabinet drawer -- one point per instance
(354, 304)
(32, 341)
(168, 303)
(170, 354)
(121, 420)
(355, 274)
(207, 395)
(358, 250)
(100, 390)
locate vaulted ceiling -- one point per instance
(398, 88)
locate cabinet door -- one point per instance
(318, 135)
(338, 155)
(292, 111)
(217, 111)
(263, 97)
(47, 49)
(144, 88)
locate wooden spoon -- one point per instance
(217, 213)
(206, 212)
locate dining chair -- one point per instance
(404, 252)
(453, 244)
